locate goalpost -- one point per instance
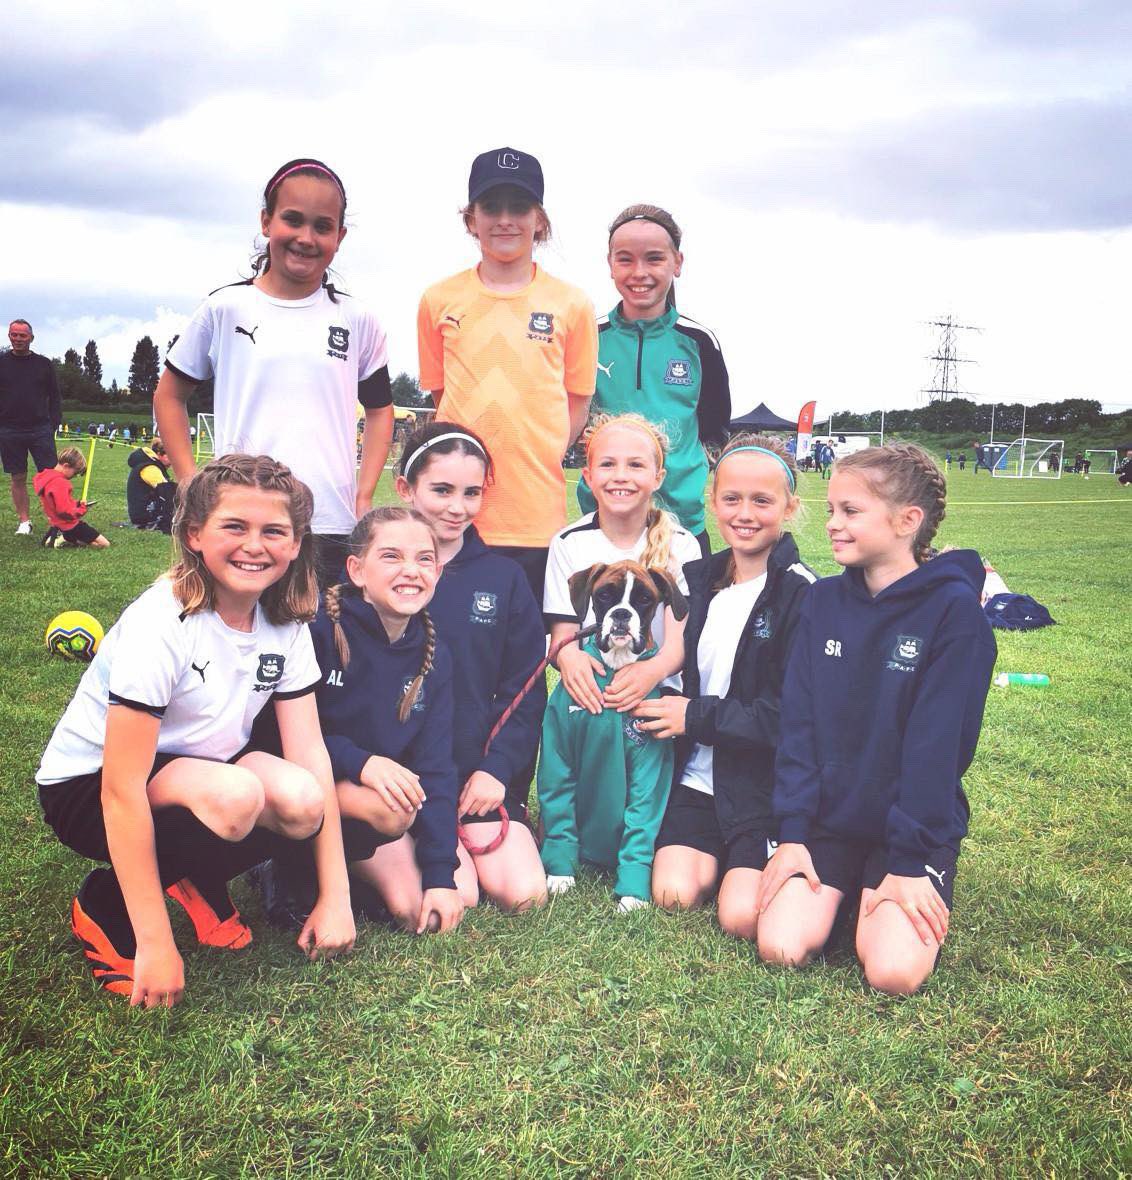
(1031, 458)
(1104, 460)
(205, 441)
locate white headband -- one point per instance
(439, 439)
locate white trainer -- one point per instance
(626, 905)
(559, 884)
(23, 529)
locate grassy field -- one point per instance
(571, 1042)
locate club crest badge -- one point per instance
(906, 653)
(269, 672)
(540, 326)
(679, 372)
(633, 732)
(761, 625)
(484, 607)
(338, 342)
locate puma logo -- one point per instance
(607, 369)
(938, 876)
(244, 332)
(451, 319)
(200, 669)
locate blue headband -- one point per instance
(762, 451)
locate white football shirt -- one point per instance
(205, 681)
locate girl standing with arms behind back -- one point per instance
(510, 352)
(881, 713)
(291, 358)
(653, 360)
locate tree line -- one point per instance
(80, 377)
(960, 415)
(80, 381)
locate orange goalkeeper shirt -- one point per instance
(505, 361)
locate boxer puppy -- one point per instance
(625, 599)
(603, 783)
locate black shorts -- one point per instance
(330, 553)
(690, 822)
(516, 813)
(360, 841)
(533, 563)
(73, 809)
(852, 865)
(17, 445)
(81, 534)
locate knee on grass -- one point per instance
(674, 893)
(894, 977)
(738, 920)
(785, 949)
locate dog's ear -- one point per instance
(670, 594)
(580, 585)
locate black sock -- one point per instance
(101, 899)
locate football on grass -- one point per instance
(74, 635)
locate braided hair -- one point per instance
(904, 474)
(363, 536)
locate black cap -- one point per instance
(504, 166)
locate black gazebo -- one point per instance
(761, 418)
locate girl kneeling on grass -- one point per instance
(881, 712)
(145, 769)
(744, 604)
(386, 704)
(485, 611)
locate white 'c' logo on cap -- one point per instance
(507, 160)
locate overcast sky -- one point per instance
(843, 172)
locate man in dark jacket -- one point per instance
(30, 412)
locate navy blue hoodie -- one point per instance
(357, 706)
(485, 612)
(881, 710)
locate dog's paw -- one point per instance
(559, 884)
(626, 905)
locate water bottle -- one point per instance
(1036, 678)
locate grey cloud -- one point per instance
(1040, 167)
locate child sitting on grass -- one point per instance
(64, 513)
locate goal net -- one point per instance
(205, 442)
(1031, 458)
(1103, 462)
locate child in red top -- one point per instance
(65, 514)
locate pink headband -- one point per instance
(309, 164)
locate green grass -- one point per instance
(573, 1043)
